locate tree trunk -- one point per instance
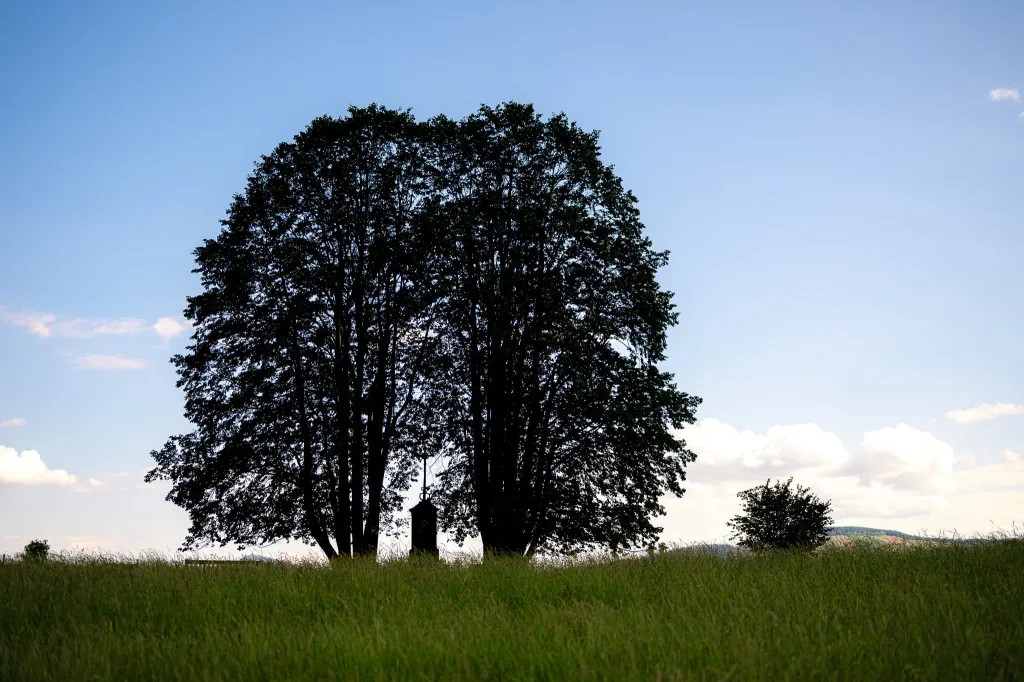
(343, 402)
(306, 476)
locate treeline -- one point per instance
(475, 291)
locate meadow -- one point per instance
(867, 612)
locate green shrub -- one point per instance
(37, 550)
(779, 517)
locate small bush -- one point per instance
(37, 550)
(778, 517)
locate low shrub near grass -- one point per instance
(944, 612)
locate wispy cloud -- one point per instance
(965, 460)
(46, 325)
(1004, 95)
(90, 543)
(13, 421)
(125, 325)
(36, 323)
(161, 484)
(984, 412)
(109, 362)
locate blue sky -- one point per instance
(840, 185)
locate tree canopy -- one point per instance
(37, 550)
(479, 291)
(778, 517)
(309, 338)
(557, 419)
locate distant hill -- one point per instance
(861, 530)
(718, 548)
(726, 550)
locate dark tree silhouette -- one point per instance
(778, 517)
(550, 408)
(383, 290)
(310, 338)
(37, 550)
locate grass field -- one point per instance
(949, 612)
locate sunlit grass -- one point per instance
(870, 612)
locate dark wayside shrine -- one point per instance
(424, 523)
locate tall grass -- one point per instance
(950, 612)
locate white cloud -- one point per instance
(1021, 115)
(109, 362)
(896, 470)
(1012, 455)
(783, 447)
(13, 421)
(983, 412)
(899, 477)
(28, 468)
(1004, 95)
(907, 459)
(167, 328)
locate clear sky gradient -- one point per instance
(841, 186)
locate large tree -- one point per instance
(553, 417)
(311, 336)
